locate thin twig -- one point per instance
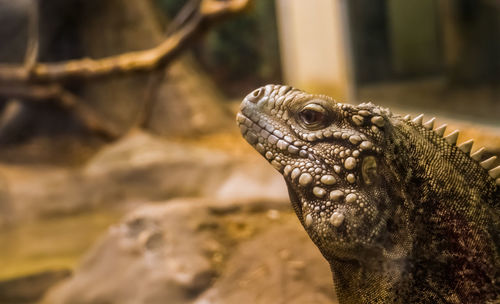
(31, 56)
(186, 12)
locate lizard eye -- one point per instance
(313, 116)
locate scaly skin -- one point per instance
(401, 214)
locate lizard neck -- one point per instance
(450, 202)
(357, 283)
(446, 222)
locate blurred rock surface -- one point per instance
(30, 288)
(195, 251)
(141, 168)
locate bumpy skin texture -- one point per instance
(401, 214)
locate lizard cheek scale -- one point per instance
(369, 170)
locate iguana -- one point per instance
(401, 213)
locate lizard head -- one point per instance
(330, 155)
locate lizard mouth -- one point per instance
(269, 141)
(298, 164)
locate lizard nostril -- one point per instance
(255, 95)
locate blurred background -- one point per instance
(123, 178)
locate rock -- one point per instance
(195, 251)
(140, 168)
(182, 108)
(59, 191)
(146, 167)
(252, 181)
(280, 265)
(156, 253)
(30, 288)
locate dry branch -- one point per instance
(210, 12)
(65, 100)
(35, 81)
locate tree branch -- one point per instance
(64, 99)
(39, 82)
(210, 12)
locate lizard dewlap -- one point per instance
(401, 213)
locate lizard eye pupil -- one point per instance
(312, 115)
